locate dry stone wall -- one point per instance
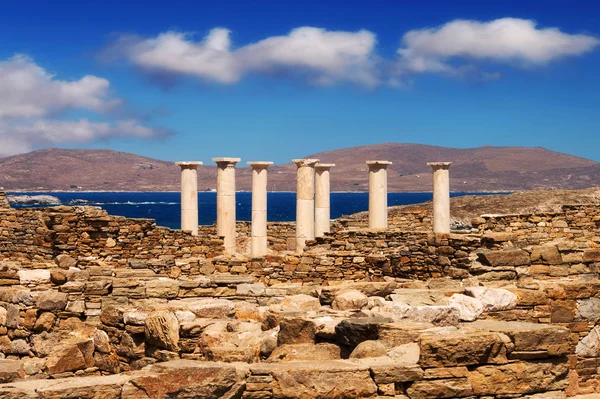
(4, 204)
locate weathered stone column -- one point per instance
(305, 202)
(189, 196)
(378, 194)
(259, 207)
(441, 196)
(322, 199)
(226, 201)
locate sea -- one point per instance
(165, 206)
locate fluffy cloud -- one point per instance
(25, 136)
(325, 57)
(27, 90)
(320, 56)
(506, 40)
(30, 97)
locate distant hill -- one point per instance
(474, 169)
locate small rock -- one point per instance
(51, 300)
(406, 353)
(45, 322)
(301, 302)
(36, 276)
(588, 346)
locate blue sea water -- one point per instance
(165, 206)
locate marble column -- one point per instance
(259, 207)
(322, 199)
(305, 202)
(189, 196)
(226, 201)
(378, 194)
(441, 197)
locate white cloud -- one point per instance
(27, 90)
(24, 137)
(320, 56)
(30, 97)
(506, 40)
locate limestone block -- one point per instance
(506, 257)
(469, 308)
(547, 254)
(389, 372)
(444, 388)
(322, 380)
(305, 352)
(406, 353)
(51, 300)
(184, 378)
(205, 308)
(519, 378)
(350, 300)
(162, 330)
(554, 340)
(36, 276)
(493, 299)
(437, 315)
(463, 349)
(162, 288)
(301, 302)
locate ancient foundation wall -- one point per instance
(573, 222)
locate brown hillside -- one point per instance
(474, 169)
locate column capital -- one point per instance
(226, 162)
(439, 165)
(324, 166)
(259, 164)
(189, 165)
(378, 164)
(305, 162)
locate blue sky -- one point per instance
(276, 80)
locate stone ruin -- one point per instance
(100, 306)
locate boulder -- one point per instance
(469, 308)
(493, 299)
(319, 352)
(350, 300)
(162, 330)
(369, 348)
